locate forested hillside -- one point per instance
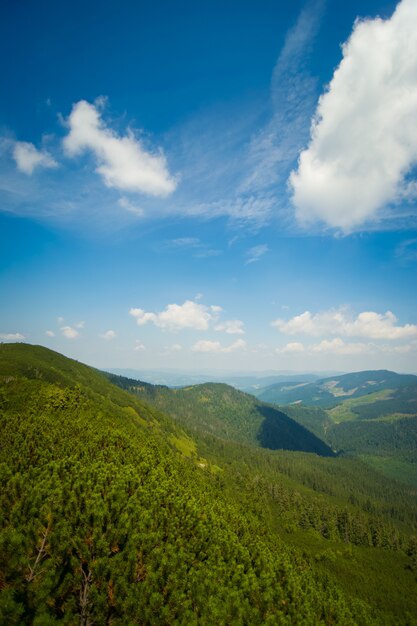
(223, 411)
(113, 514)
(368, 414)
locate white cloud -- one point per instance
(175, 347)
(364, 133)
(407, 251)
(255, 253)
(216, 346)
(69, 332)
(367, 324)
(28, 157)
(291, 348)
(11, 336)
(128, 206)
(139, 346)
(178, 316)
(338, 346)
(123, 162)
(293, 96)
(185, 242)
(108, 335)
(79, 324)
(60, 320)
(233, 327)
(50, 333)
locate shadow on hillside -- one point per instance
(280, 432)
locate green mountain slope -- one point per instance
(330, 392)
(223, 411)
(111, 514)
(370, 414)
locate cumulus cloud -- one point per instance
(108, 335)
(139, 346)
(50, 333)
(123, 162)
(255, 253)
(367, 324)
(291, 348)
(216, 346)
(28, 157)
(178, 316)
(69, 332)
(338, 346)
(11, 337)
(364, 132)
(233, 327)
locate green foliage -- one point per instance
(112, 514)
(223, 411)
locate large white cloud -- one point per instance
(364, 133)
(28, 157)
(190, 314)
(216, 347)
(123, 162)
(368, 324)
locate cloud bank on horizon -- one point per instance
(364, 132)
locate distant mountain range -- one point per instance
(331, 391)
(246, 381)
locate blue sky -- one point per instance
(211, 185)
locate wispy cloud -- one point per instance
(406, 251)
(293, 95)
(108, 335)
(255, 253)
(198, 248)
(131, 207)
